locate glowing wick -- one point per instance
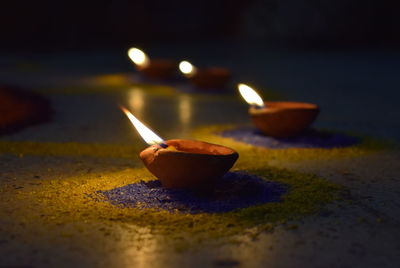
(147, 134)
(250, 96)
(138, 57)
(187, 68)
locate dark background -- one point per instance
(69, 25)
(340, 54)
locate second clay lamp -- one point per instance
(205, 78)
(278, 119)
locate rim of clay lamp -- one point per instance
(185, 146)
(274, 106)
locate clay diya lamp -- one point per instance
(205, 78)
(183, 164)
(281, 118)
(160, 69)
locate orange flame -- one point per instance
(250, 95)
(138, 57)
(187, 68)
(147, 134)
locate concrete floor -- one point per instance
(355, 91)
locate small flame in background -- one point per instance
(147, 134)
(250, 95)
(138, 57)
(187, 68)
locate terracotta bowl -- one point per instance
(159, 69)
(21, 108)
(211, 78)
(284, 119)
(188, 164)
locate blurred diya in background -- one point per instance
(21, 108)
(183, 164)
(280, 118)
(160, 69)
(205, 78)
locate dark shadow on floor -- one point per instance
(310, 139)
(233, 191)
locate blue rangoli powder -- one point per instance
(234, 190)
(310, 139)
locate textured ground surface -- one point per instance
(341, 209)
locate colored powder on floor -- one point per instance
(310, 139)
(233, 191)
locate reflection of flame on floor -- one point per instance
(141, 255)
(136, 101)
(185, 110)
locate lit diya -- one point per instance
(279, 118)
(154, 68)
(186, 164)
(205, 78)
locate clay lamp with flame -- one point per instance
(280, 118)
(205, 78)
(154, 68)
(183, 164)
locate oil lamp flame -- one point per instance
(250, 95)
(138, 57)
(147, 134)
(187, 68)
